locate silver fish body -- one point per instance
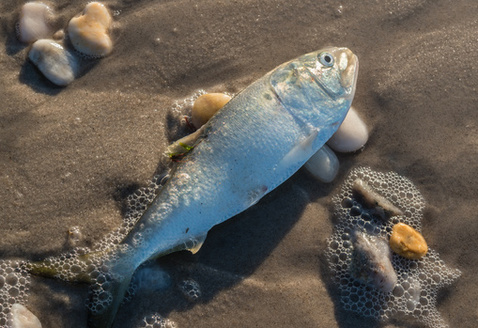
(252, 145)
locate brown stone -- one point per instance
(89, 32)
(407, 242)
(206, 106)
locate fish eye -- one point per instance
(326, 59)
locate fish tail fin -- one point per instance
(106, 296)
(108, 272)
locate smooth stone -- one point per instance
(22, 317)
(352, 134)
(323, 165)
(59, 35)
(55, 62)
(373, 199)
(35, 22)
(206, 106)
(89, 32)
(372, 262)
(407, 242)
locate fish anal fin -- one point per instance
(197, 243)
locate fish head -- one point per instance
(318, 88)
(333, 69)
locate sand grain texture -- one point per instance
(66, 154)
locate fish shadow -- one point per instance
(344, 318)
(232, 251)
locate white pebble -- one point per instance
(351, 135)
(22, 317)
(323, 165)
(35, 22)
(58, 64)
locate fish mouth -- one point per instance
(349, 65)
(342, 79)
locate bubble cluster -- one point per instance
(14, 286)
(190, 289)
(418, 281)
(74, 235)
(135, 204)
(92, 265)
(156, 321)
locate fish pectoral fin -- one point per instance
(301, 151)
(197, 243)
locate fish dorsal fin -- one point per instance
(184, 145)
(197, 243)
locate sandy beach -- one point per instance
(69, 156)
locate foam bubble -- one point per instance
(156, 321)
(190, 289)
(418, 281)
(14, 286)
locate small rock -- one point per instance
(58, 65)
(351, 135)
(59, 35)
(35, 22)
(407, 242)
(323, 165)
(89, 32)
(22, 318)
(384, 208)
(206, 106)
(371, 262)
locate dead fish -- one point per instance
(254, 143)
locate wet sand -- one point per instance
(68, 156)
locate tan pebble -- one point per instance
(59, 35)
(206, 106)
(407, 242)
(89, 32)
